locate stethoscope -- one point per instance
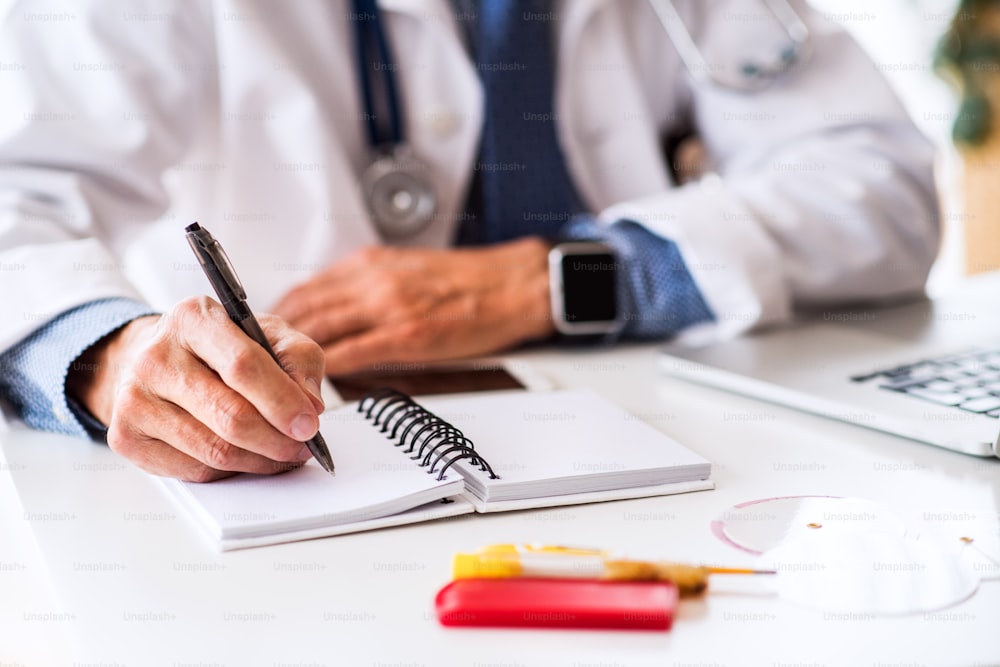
(750, 75)
(396, 185)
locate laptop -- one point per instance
(925, 370)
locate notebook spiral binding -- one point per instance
(426, 437)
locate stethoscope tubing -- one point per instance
(753, 75)
(375, 61)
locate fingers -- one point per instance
(404, 342)
(358, 353)
(299, 356)
(315, 295)
(196, 392)
(194, 439)
(330, 289)
(413, 304)
(198, 399)
(327, 326)
(205, 330)
(174, 444)
(325, 311)
(328, 310)
(344, 282)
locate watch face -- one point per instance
(589, 293)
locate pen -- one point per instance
(503, 561)
(227, 285)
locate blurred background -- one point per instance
(902, 37)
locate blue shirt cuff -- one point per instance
(658, 295)
(34, 373)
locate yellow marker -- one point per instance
(510, 560)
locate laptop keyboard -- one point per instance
(969, 381)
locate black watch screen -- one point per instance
(583, 282)
(589, 287)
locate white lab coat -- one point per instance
(121, 123)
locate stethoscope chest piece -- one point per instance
(396, 187)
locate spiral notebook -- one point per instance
(402, 461)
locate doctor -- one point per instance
(340, 150)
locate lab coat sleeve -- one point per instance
(823, 191)
(98, 100)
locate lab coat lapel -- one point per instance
(597, 87)
(443, 103)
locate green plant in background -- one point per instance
(969, 55)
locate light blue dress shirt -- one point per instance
(33, 377)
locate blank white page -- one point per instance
(373, 479)
(555, 443)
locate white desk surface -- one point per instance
(98, 567)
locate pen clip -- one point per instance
(204, 244)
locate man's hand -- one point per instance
(386, 304)
(189, 395)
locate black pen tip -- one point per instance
(321, 453)
(193, 227)
(327, 463)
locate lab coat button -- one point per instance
(442, 123)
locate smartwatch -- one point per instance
(583, 283)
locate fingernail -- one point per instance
(304, 454)
(304, 426)
(312, 386)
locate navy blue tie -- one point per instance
(521, 187)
